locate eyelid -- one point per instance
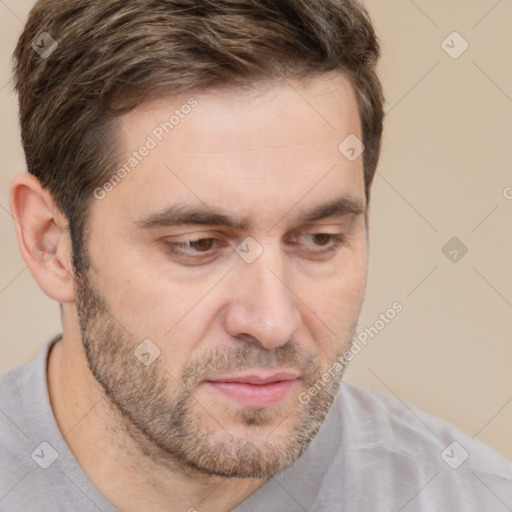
(201, 235)
(314, 228)
(337, 241)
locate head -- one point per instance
(192, 152)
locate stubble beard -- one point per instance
(172, 429)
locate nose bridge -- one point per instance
(264, 306)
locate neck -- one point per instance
(111, 451)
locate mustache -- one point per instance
(250, 356)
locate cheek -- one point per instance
(341, 289)
(153, 306)
(332, 306)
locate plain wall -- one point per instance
(444, 171)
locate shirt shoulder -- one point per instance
(406, 453)
(38, 472)
(404, 428)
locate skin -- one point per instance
(267, 155)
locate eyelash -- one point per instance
(178, 247)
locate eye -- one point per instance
(326, 240)
(203, 245)
(323, 237)
(201, 248)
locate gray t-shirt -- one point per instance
(373, 453)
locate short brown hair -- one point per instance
(114, 54)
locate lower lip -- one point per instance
(254, 396)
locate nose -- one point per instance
(263, 305)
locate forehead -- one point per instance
(255, 150)
(325, 107)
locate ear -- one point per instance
(43, 237)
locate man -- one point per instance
(197, 201)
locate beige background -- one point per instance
(445, 167)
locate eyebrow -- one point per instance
(187, 214)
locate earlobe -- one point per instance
(43, 238)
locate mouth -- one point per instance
(254, 390)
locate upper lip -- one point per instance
(257, 378)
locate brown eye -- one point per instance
(203, 244)
(324, 238)
(193, 248)
(326, 243)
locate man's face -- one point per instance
(235, 336)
